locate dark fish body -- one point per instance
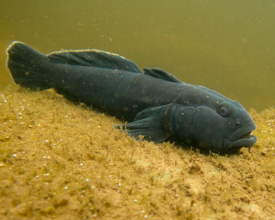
(157, 105)
(118, 92)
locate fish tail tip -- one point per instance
(24, 64)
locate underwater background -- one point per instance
(59, 160)
(227, 46)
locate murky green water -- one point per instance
(225, 45)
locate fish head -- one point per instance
(229, 125)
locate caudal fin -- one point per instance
(27, 66)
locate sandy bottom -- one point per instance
(59, 160)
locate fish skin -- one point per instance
(155, 104)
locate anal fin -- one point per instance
(67, 95)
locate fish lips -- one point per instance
(242, 137)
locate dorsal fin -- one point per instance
(160, 73)
(94, 58)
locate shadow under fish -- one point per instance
(157, 105)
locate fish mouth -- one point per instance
(242, 137)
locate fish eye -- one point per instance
(224, 110)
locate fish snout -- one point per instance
(242, 137)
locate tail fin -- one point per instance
(27, 66)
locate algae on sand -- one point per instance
(66, 161)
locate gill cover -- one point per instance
(200, 126)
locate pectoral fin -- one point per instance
(148, 123)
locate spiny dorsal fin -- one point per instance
(94, 58)
(160, 73)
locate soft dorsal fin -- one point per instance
(94, 58)
(160, 73)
